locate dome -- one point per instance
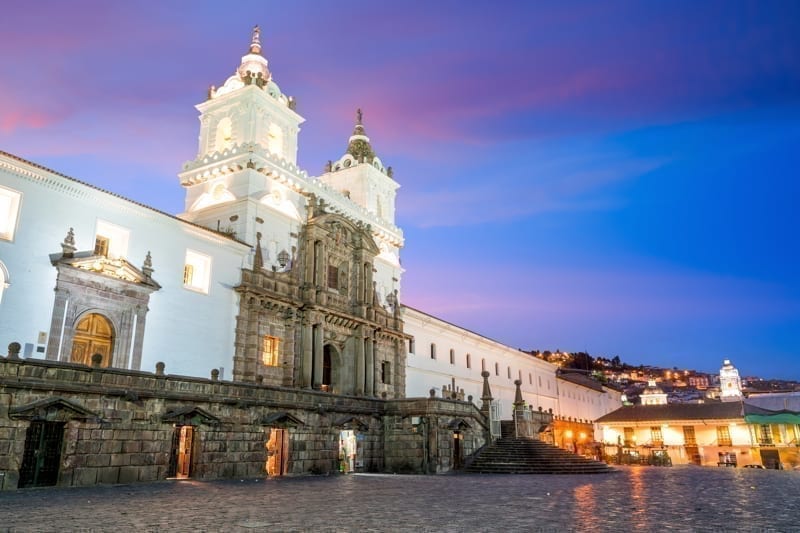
(253, 62)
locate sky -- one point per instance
(613, 177)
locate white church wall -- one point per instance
(425, 372)
(181, 323)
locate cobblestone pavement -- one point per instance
(632, 499)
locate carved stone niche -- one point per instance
(100, 307)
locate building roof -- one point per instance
(677, 411)
(37, 166)
(580, 379)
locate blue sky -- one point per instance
(616, 177)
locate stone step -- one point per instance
(516, 455)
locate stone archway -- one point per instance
(94, 333)
(331, 365)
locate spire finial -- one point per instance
(255, 42)
(359, 117)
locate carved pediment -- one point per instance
(281, 419)
(351, 422)
(458, 424)
(117, 269)
(189, 415)
(54, 409)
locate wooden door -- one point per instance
(185, 445)
(278, 452)
(93, 334)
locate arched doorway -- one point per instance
(330, 365)
(93, 334)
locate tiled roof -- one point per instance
(580, 379)
(677, 411)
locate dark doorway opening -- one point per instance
(42, 454)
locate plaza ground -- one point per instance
(631, 499)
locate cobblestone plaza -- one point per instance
(632, 499)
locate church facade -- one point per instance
(270, 280)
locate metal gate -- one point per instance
(495, 412)
(42, 454)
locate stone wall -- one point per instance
(120, 425)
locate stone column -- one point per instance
(306, 365)
(359, 341)
(486, 397)
(318, 340)
(369, 345)
(54, 340)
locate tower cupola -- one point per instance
(253, 63)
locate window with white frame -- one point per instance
(111, 240)
(197, 271)
(9, 210)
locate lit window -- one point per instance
(275, 139)
(224, 134)
(9, 209)
(197, 271)
(269, 350)
(656, 436)
(723, 436)
(113, 240)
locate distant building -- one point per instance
(653, 395)
(730, 385)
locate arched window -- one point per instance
(224, 134)
(275, 139)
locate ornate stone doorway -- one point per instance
(93, 334)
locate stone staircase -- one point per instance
(511, 455)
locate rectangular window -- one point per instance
(469, 361)
(116, 239)
(197, 272)
(386, 373)
(452, 356)
(765, 436)
(333, 277)
(270, 350)
(483, 365)
(689, 438)
(629, 437)
(509, 372)
(723, 436)
(411, 347)
(9, 211)
(656, 437)
(497, 369)
(101, 246)
(433, 351)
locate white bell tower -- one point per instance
(730, 385)
(248, 137)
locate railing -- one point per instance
(529, 423)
